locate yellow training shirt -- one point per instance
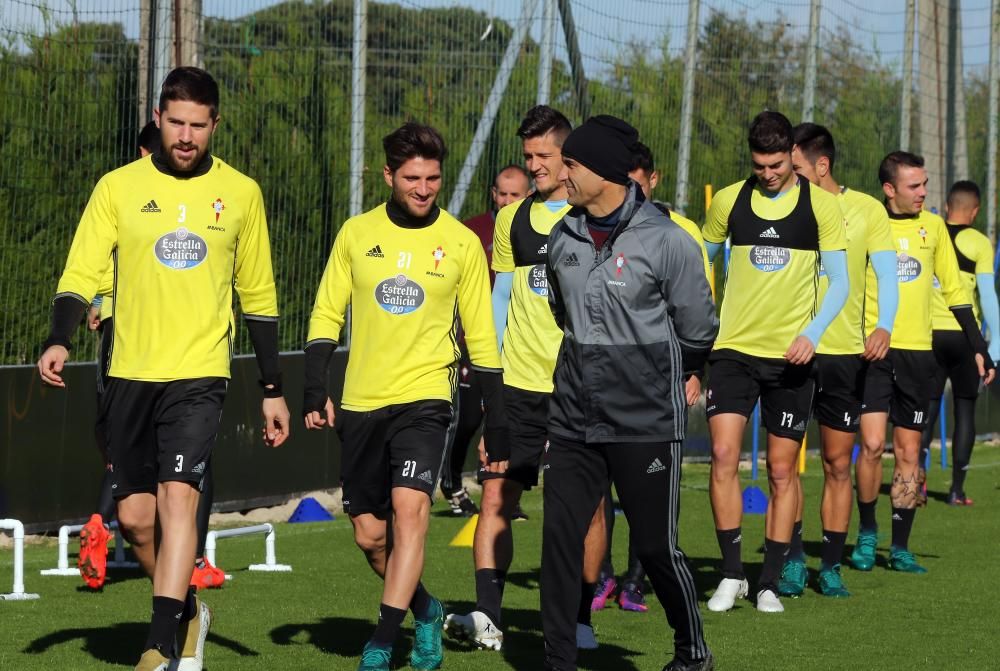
(974, 253)
(692, 229)
(771, 286)
(406, 288)
(923, 251)
(179, 246)
(866, 224)
(531, 341)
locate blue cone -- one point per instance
(754, 501)
(310, 510)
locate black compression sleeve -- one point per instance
(67, 313)
(693, 360)
(965, 319)
(264, 336)
(495, 431)
(318, 353)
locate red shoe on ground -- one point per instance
(206, 575)
(93, 560)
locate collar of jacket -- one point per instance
(576, 218)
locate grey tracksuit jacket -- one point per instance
(636, 316)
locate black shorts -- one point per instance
(956, 362)
(736, 380)
(160, 431)
(528, 414)
(840, 389)
(900, 385)
(395, 446)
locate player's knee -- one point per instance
(725, 460)
(838, 469)
(137, 525)
(872, 447)
(498, 499)
(782, 475)
(370, 541)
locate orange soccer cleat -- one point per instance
(93, 561)
(206, 575)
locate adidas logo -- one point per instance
(426, 477)
(656, 466)
(199, 468)
(151, 206)
(770, 233)
(896, 517)
(375, 252)
(801, 426)
(571, 260)
(738, 539)
(544, 249)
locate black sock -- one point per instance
(163, 626)
(795, 549)
(389, 621)
(587, 590)
(833, 548)
(902, 523)
(867, 513)
(489, 592)
(731, 544)
(775, 554)
(190, 605)
(420, 604)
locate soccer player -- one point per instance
(629, 291)
(955, 360)
(529, 340)
(899, 386)
(842, 357)
(511, 183)
(781, 227)
(183, 228)
(407, 268)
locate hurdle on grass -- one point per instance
(270, 561)
(62, 563)
(17, 593)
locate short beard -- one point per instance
(199, 155)
(404, 203)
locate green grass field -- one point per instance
(320, 615)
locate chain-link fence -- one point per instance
(70, 78)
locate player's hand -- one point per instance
(93, 317)
(497, 466)
(801, 352)
(692, 390)
(482, 452)
(317, 419)
(877, 345)
(51, 364)
(986, 374)
(276, 421)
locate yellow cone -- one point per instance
(464, 538)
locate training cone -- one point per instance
(310, 510)
(754, 501)
(464, 538)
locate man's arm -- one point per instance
(958, 300)
(835, 264)
(884, 265)
(502, 287)
(689, 300)
(991, 311)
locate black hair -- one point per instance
(193, 85)
(149, 138)
(889, 167)
(543, 119)
(771, 133)
(412, 140)
(815, 142)
(642, 159)
(964, 189)
(515, 167)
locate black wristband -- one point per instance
(495, 432)
(68, 311)
(264, 336)
(317, 363)
(693, 360)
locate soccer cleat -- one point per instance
(863, 555)
(193, 634)
(206, 575)
(768, 602)
(477, 628)
(726, 594)
(959, 500)
(519, 515)
(375, 658)
(793, 578)
(902, 560)
(632, 599)
(706, 664)
(462, 505)
(830, 583)
(153, 660)
(585, 639)
(605, 589)
(93, 560)
(427, 653)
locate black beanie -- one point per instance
(606, 145)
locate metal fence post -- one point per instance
(687, 108)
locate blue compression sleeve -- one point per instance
(991, 310)
(713, 249)
(502, 287)
(884, 263)
(835, 263)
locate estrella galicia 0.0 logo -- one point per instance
(399, 295)
(181, 249)
(538, 281)
(907, 268)
(769, 259)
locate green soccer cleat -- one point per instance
(375, 657)
(427, 653)
(830, 583)
(863, 556)
(903, 561)
(793, 578)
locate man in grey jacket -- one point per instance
(628, 288)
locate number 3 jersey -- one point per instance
(178, 247)
(406, 287)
